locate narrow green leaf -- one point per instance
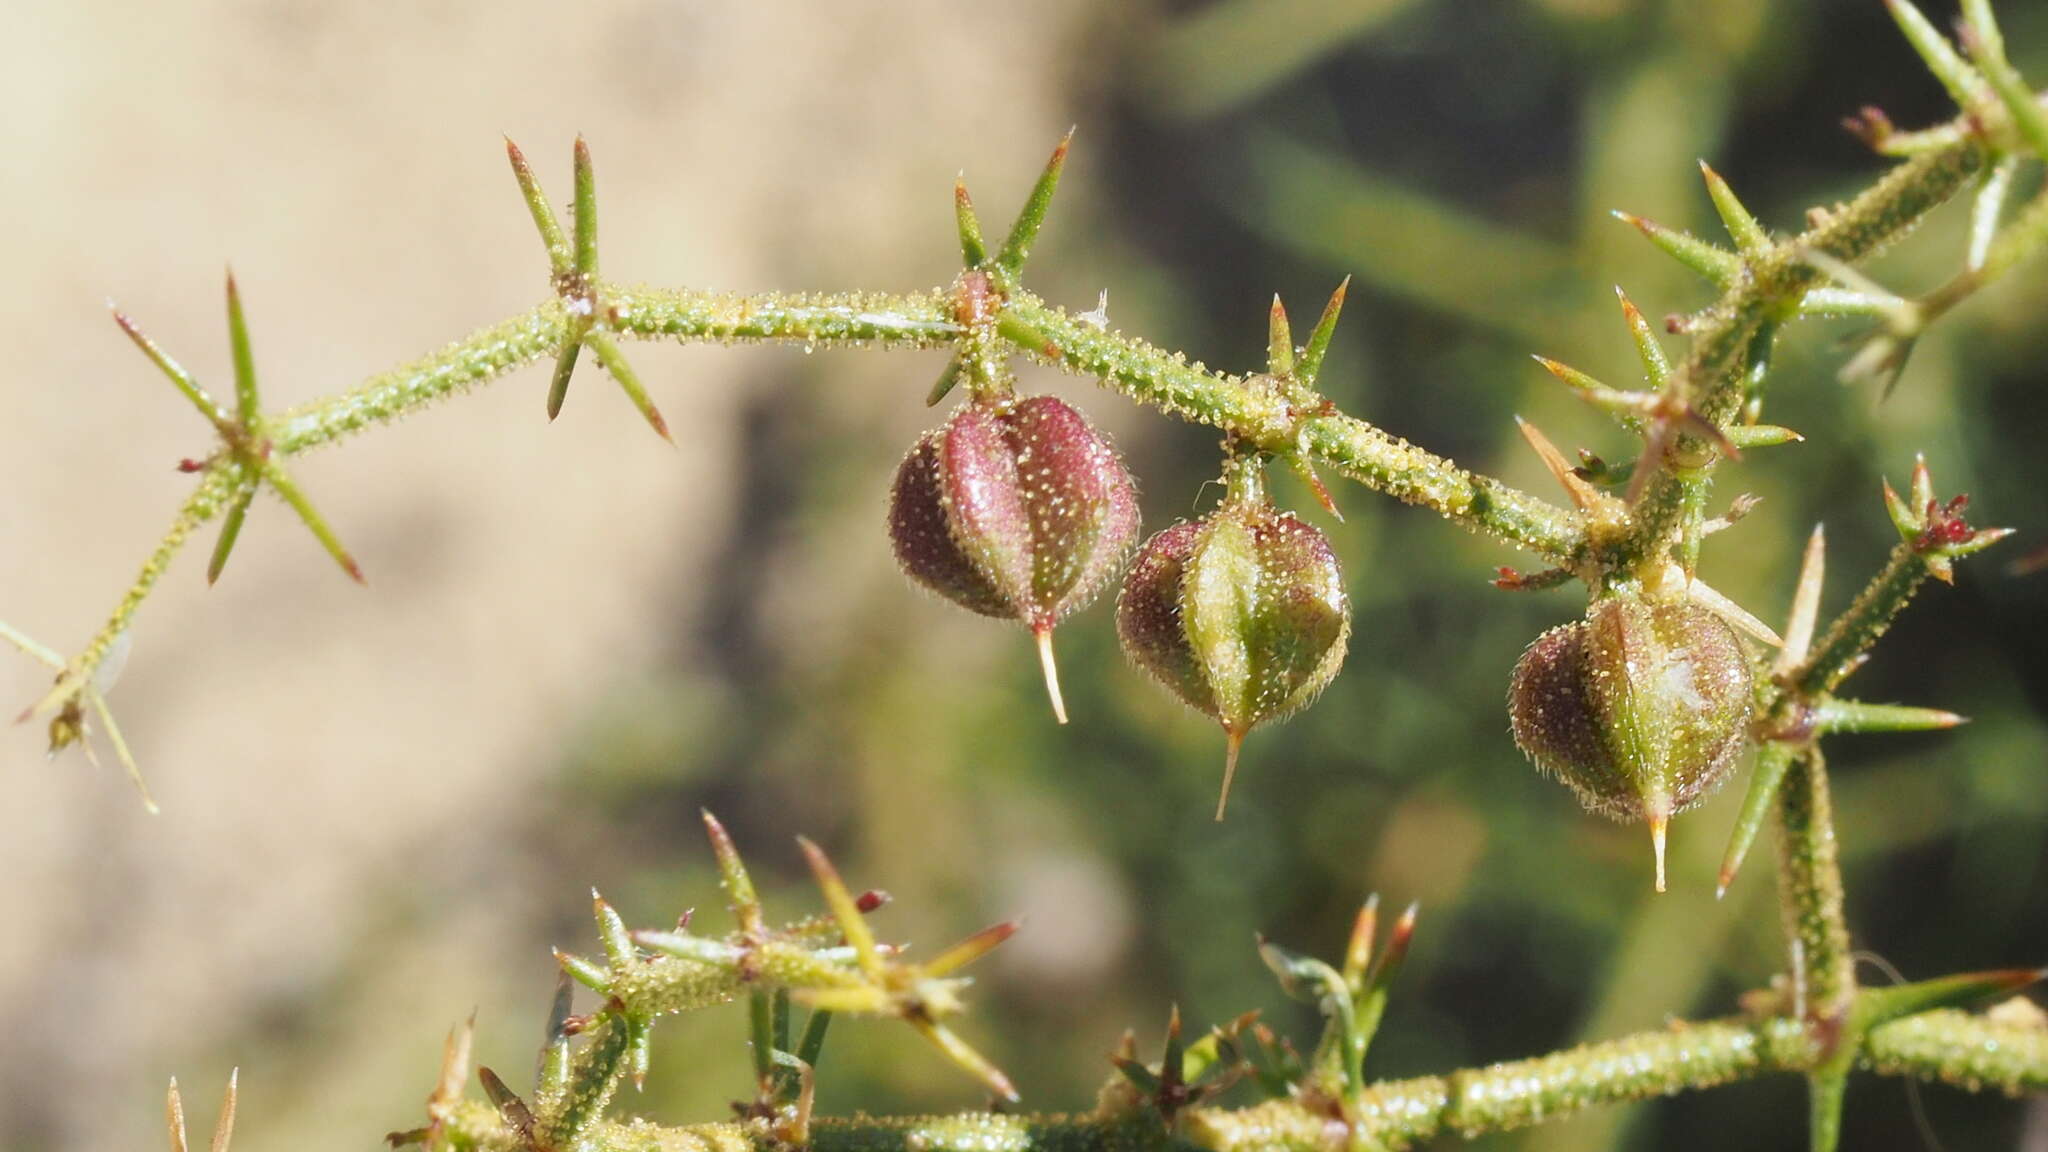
(1761, 435)
(585, 972)
(1017, 248)
(761, 1025)
(1964, 85)
(1279, 340)
(1141, 1077)
(614, 361)
(98, 702)
(973, 250)
(732, 876)
(946, 381)
(1749, 236)
(1717, 264)
(182, 379)
(971, 949)
(1318, 345)
(565, 366)
(639, 1049)
(611, 929)
(586, 210)
(1988, 207)
(1656, 368)
(1768, 774)
(958, 1051)
(1856, 716)
(1358, 950)
(274, 472)
(249, 408)
(230, 529)
(1875, 1006)
(843, 907)
(537, 204)
(812, 1045)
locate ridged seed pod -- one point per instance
(1242, 614)
(1640, 708)
(1017, 509)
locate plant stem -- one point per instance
(1810, 883)
(1946, 1046)
(1777, 278)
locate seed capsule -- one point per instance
(1242, 614)
(1640, 708)
(1016, 509)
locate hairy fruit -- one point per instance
(1242, 614)
(1017, 509)
(1641, 708)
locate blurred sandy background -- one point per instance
(382, 805)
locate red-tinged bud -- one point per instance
(1242, 614)
(1017, 509)
(1640, 708)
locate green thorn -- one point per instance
(1875, 1006)
(812, 1045)
(248, 408)
(186, 385)
(1279, 341)
(230, 528)
(584, 972)
(1717, 264)
(1173, 1055)
(274, 472)
(1824, 1094)
(947, 380)
(586, 210)
(1655, 367)
(611, 930)
(973, 250)
(1749, 236)
(565, 366)
(1856, 716)
(1311, 365)
(1964, 85)
(732, 876)
(1025, 231)
(537, 203)
(1772, 761)
(844, 909)
(614, 362)
(1747, 436)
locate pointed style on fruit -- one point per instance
(1242, 614)
(1640, 708)
(1017, 509)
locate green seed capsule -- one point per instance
(1640, 708)
(1242, 614)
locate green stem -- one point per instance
(1810, 880)
(1841, 649)
(1945, 1046)
(1778, 277)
